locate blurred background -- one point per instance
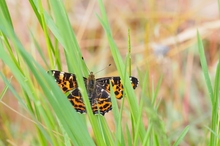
(163, 42)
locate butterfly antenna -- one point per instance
(86, 65)
(103, 68)
(88, 68)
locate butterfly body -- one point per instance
(98, 90)
(90, 85)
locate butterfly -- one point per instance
(98, 90)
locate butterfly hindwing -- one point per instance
(76, 100)
(100, 100)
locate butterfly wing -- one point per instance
(76, 100)
(116, 84)
(66, 81)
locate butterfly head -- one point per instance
(91, 76)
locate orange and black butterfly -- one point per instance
(98, 90)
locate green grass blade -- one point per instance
(4, 91)
(205, 67)
(106, 131)
(6, 14)
(147, 134)
(119, 138)
(182, 135)
(136, 138)
(129, 138)
(35, 9)
(156, 92)
(214, 99)
(129, 53)
(39, 50)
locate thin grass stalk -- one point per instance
(120, 67)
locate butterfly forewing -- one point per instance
(116, 84)
(66, 81)
(101, 101)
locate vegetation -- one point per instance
(176, 102)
